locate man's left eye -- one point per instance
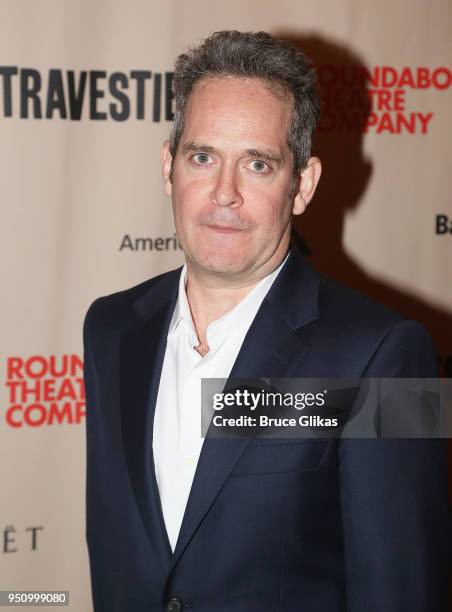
(259, 166)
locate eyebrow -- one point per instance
(267, 154)
(194, 146)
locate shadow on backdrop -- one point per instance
(346, 176)
(319, 232)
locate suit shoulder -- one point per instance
(351, 319)
(118, 305)
(345, 305)
(356, 314)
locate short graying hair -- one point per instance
(284, 68)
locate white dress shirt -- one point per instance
(177, 440)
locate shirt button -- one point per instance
(174, 605)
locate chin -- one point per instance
(220, 263)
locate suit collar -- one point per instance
(295, 293)
(163, 290)
(293, 296)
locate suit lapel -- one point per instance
(141, 359)
(273, 348)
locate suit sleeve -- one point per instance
(94, 499)
(394, 500)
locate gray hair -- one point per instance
(284, 68)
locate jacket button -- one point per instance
(174, 605)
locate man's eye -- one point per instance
(201, 159)
(259, 166)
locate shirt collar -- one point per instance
(182, 309)
(254, 297)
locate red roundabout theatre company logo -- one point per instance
(44, 390)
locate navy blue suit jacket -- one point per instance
(311, 525)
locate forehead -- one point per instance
(237, 110)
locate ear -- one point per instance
(167, 160)
(309, 178)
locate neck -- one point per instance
(211, 297)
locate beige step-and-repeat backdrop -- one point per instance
(85, 101)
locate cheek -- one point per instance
(269, 200)
(272, 214)
(187, 201)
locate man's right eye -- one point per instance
(200, 159)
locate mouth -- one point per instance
(224, 229)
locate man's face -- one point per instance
(231, 179)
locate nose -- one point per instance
(226, 191)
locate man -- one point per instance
(251, 524)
